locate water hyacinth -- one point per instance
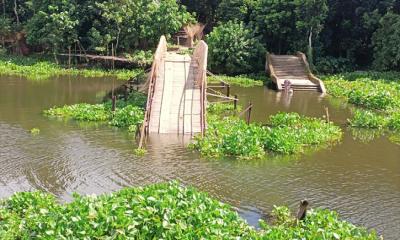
(287, 133)
(161, 211)
(128, 115)
(37, 70)
(376, 94)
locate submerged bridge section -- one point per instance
(293, 71)
(176, 92)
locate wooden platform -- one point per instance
(295, 69)
(176, 105)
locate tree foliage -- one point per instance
(233, 49)
(386, 43)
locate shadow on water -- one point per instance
(359, 177)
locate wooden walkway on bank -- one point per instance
(293, 71)
(176, 92)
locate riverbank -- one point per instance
(167, 211)
(39, 68)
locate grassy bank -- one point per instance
(376, 94)
(127, 115)
(162, 211)
(241, 80)
(38, 68)
(285, 133)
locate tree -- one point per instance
(233, 49)
(310, 15)
(386, 43)
(238, 10)
(53, 25)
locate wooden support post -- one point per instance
(327, 115)
(235, 102)
(301, 214)
(112, 54)
(249, 113)
(114, 102)
(228, 90)
(126, 93)
(69, 57)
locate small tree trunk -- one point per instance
(16, 12)
(310, 50)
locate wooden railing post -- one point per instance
(114, 102)
(249, 113)
(228, 90)
(235, 102)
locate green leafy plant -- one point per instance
(128, 115)
(43, 69)
(35, 131)
(160, 211)
(287, 133)
(234, 49)
(240, 80)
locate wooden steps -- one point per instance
(293, 68)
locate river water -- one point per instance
(359, 178)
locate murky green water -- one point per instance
(359, 179)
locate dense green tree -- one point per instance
(233, 49)
(386, 42)
(53, 24)
(239, 10)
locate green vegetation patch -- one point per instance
(240, 80)
(377, 93)
(319, 224)
(39, 69)
(127, 114)
(287, 133)
(161, 211)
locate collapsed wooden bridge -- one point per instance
(292, 71)
(176, 92)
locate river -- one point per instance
(359, 177)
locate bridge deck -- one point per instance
(176, 105)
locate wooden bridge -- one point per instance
(293, 71)
(176, 92)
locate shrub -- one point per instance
(233, 49)
(128, 117)
(330, 65)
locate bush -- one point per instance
(330, 65)
(233, 50)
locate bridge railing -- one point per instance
(311, 76)
(200, 54)
(151, 81)
(270, 68)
